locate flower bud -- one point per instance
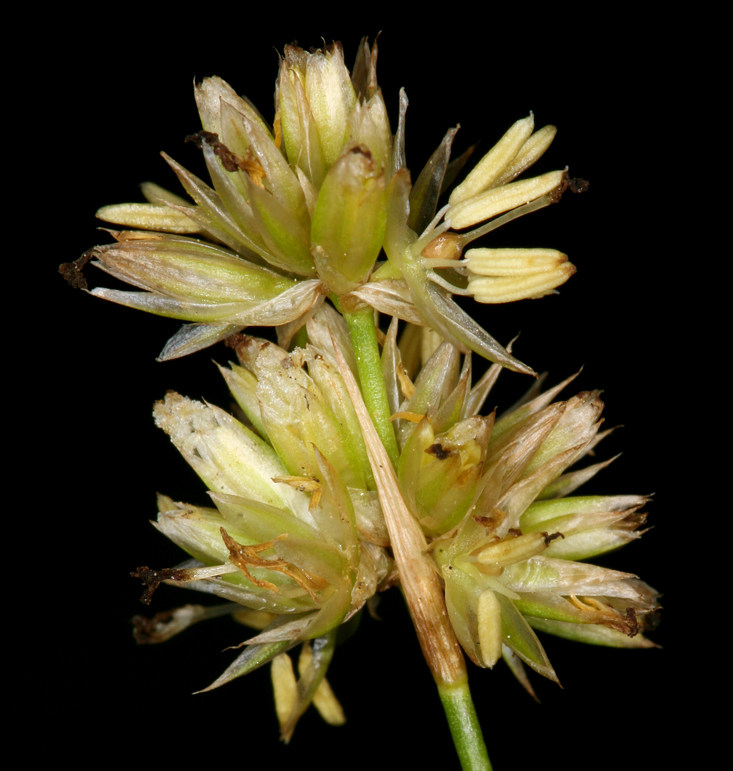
(331, 98)
(349, 220)
(439, 474)
(190, 271)
(299, 130)
(227, 456)
(591, 525)
(369, 126)
(298, 417)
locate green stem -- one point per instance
(369, 364)
(464, 726)
(455, 695)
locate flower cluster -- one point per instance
(493, 497)
(298, 535)
(359, 458)
(322, 204)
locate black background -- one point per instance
(123, 93)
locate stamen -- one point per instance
(452, 288)
(406, 385)
(436, 219)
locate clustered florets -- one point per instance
(321, 205)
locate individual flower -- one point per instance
(322, 203)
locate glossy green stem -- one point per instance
(464, 726)
(369, 364)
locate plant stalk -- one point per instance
(464, 726)
(369, 364)
(418, 577)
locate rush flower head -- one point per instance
(360, 458)
(493, 497)
(321, 203)
(295, 541)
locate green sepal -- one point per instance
(518, 635)
(251, 658)
(592, 634)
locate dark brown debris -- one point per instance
(573, 184)
(72, 271)
(248, 163)
(236, 341)
(154, 578)
(439, 451)
(550, 538)
(146, 630)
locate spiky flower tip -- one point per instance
(321, 203)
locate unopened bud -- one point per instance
(331, 98)
(349, 220)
